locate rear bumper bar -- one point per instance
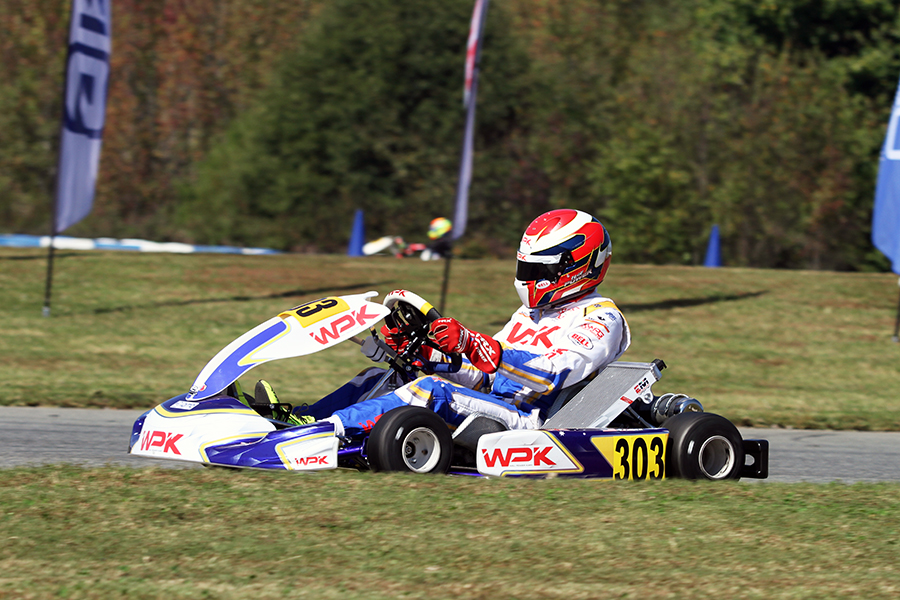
(756, 459)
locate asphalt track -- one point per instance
(88, 437)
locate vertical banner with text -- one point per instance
(470, 94)
(84, 110)
(886, 213)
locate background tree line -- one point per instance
(269, 122)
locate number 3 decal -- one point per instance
(311, 308)
(317, 310)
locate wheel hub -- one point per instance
(421, 450)
(716, 457)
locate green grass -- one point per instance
(762, 347)
(152, 533)
(128, 330)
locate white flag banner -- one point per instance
(87, 79)
(472, 47)
(461, 210)
(470, 96)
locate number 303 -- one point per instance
(634, 458)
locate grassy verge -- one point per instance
(104, 533)
(792, 348)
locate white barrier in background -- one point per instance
(132, 245)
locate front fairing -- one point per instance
(305, 329)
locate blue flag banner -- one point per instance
(886, 216)
(84, 112)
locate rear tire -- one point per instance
(410, 439)
(703, 446)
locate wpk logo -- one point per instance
(160, 439)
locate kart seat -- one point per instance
(593, 404)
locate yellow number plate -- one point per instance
(641, 456)
(315, 311)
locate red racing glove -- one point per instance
(483, 351)
(394, 339)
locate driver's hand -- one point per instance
(483, 351)
(450, 335)
(372, 350)
(394, 338)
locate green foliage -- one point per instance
(716, 125)
(30, 108)
(366, 114)
(269, 122)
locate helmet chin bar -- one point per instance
(522, 291)
(568, 295)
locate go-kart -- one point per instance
(611, 426)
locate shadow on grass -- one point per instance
(675, 303)
(688, 302)
(288, 294)
(57, 256)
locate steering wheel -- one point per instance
(413, 315)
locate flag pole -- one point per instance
(49, 286)
(85, 88)
(447, 258)
(896, 337)
(461, 211)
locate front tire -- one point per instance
(703, 446)
(410, 439)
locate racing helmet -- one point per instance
(439, 227)
(564, 254)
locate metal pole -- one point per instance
(49, 286)
(447, 258)
(896, 337)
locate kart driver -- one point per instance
(563, 333)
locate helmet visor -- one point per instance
(533, 267)
(536, 271)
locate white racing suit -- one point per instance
(544, 352)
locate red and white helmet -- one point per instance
(564, 254)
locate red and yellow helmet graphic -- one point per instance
(564, 254)
(439, 227)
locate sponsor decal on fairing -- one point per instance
(333, 331)
(524, 452)
(169, 432)
(163, 442)
(185, 405)
(308, 453)
(321, 460)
